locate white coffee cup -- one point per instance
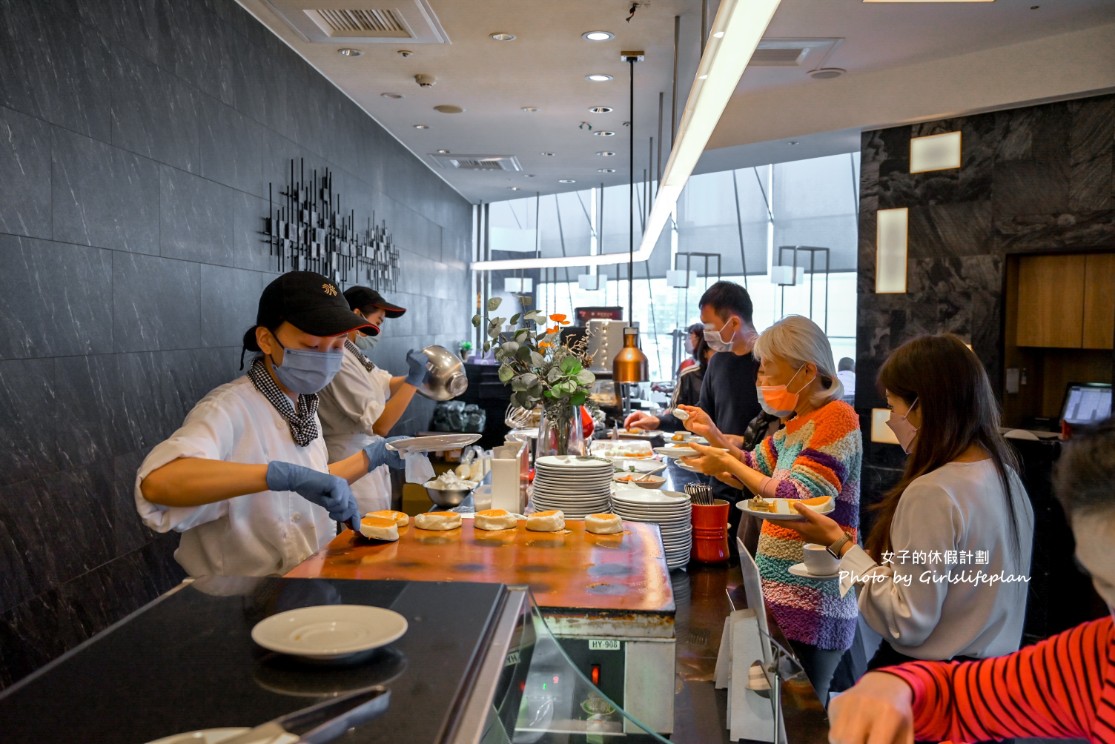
(818, 561)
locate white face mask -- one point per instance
(715, 339)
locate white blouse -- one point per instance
(951, 537)
(349, 408)
(257, 534)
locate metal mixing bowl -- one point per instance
(447, 377)
(447, 497)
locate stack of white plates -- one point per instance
(668, 509)
(576, 485)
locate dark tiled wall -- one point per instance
(137, 140)
(1032, 180)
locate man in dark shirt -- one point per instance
(728, 393)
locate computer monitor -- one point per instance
(1086, 403)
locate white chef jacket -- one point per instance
(257, 534)
(349, 408)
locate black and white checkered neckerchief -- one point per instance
(368, 363)
(303, 423)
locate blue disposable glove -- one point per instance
(378, 454)
(416, 365)
(316, 487)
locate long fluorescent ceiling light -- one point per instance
(735, 34)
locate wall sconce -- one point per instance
(787, 276)
(515, 285)
(935, 152)
(880, 432)
(890, 251)
(592, 282)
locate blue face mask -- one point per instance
(306, 372)
(366, 343)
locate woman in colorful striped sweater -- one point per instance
(816, 453)
(1062, 688)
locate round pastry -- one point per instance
(495, 519)
(546, 521)
(437, 521)
(603, 524)
(378, 528)
(400, 518)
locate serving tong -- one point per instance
(321, 722)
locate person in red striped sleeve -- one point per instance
(1061, 688)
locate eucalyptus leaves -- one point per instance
(537, 366)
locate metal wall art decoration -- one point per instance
(307, 231)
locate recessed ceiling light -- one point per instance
(605, 170)
(447, 108)
(604, 133)
(501, 36)
(606, 153)
(349, 52)
(718, 35)
(530, 109)
(826, 73)
(598, 77)
(393, 96)
(443, 151)
(421, 126)
(566, 180)
(598, 35)
(513, 188)
(548, 154)
(601, 109)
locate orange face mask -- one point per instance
(777, 400)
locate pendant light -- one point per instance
(631, 364)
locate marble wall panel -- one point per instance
(29, 429)
(229, 301)
(1045, 233)
(1091, 155)
(956, 229)
(55, 68)
(232, 148)
(200, 48)
(195, 218)
(24, 175)
(34, 632)
(128, 531)
(87, 403)
(54, 299)
(1030, 187)
(156, 115)
(24, 571)
(155, 303)
(251, 249)
(103, 196)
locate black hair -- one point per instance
(250, 343)
(1082, 478)
(846, 364)
(696, 328)
(728, 297)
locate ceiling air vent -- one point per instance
(355, 22)
(793, 52)
(479, 162)
(368, 23)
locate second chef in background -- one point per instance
(364, 401)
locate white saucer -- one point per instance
(784, 511)
(328, 632)
(204, 736)
(798, 569)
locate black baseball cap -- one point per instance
(362, 297)
(308, 301)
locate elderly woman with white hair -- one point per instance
(816, 453)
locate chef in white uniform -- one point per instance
(364, 401)
(247, 479)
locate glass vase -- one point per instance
(559, 431)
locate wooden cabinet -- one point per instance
(1066, 301)
(1099, 301)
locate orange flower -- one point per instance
(552, 331)
(544, 344)
(559, 318)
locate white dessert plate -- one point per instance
(329, 632)
(782, 510)
(433, 443)
(204, 736)
(799, 569)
